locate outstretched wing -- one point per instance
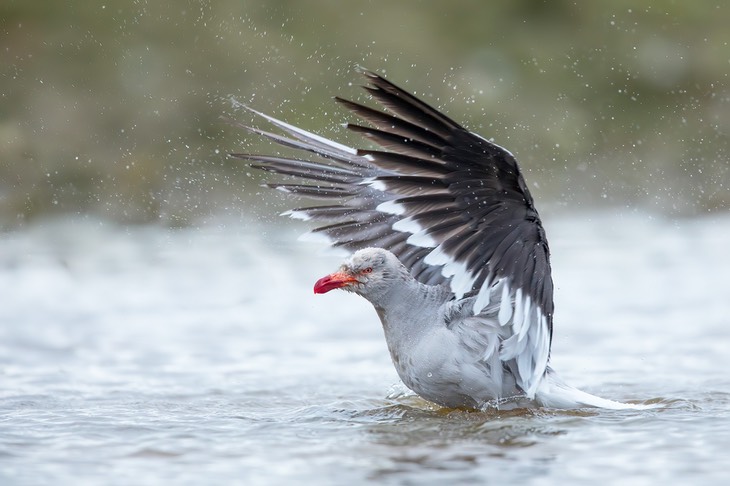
(451, 205)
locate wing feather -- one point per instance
(453, 206)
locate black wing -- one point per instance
(451, 205)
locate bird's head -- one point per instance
(369, 272)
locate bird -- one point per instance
(444, 241)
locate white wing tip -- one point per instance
(294, 214)
(421, 239)
(505, 305)
(300, 131)
(437, 257)
(462, 280)
(374, 184)
(391, 207)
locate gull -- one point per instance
(444, 241)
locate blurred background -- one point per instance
(157, 323)
(112, 109)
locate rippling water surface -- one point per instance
(145, 355)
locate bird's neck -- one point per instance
(399, 311)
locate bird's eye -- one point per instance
(367, 270)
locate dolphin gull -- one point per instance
(444, 241)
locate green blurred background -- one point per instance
(112, 109)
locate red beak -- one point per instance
(333, 281)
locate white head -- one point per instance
(370, 272)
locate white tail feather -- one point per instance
(555, 393)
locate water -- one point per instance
(144, 355)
